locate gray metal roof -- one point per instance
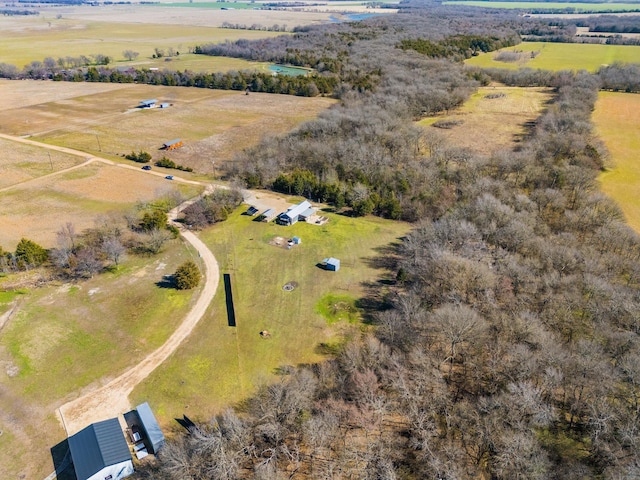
(175, 140)
(296, 210)
(150, 426)
(98, 446)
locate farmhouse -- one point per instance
(144, 430)
(331, 263)
(100, 451)
(148, 103)
(172, 145)
(297, 212)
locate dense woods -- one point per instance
(507, 345)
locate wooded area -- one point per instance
(508, 346)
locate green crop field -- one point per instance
(27, 39)
(538, 6)
(219, 365)
(617, 121)
(69, 337)
(561, 56)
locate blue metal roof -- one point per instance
(98, 446)
(150, 426)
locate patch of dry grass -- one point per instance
(617, 121)
(213, 124)
(494, 118)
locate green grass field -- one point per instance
(562, 56)
(537, 6)
(220, 365)
(28, 39)
(617, 121)
(67, 337)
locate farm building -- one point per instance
(164, 105)
(251, 211)
(293, 214)
(148, 103)
(100, 451)
(144, 430)
(331, 263)
(172, 145)
(268, 215)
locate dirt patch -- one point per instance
(290, 286)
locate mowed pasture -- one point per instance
(32, 38)
(492, 119)
(213, 124)
(220, 365)
(539, 6)
(66, 339)
(617, 121)
(560, 56)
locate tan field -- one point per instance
(484, 124)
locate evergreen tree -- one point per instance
(187, 276)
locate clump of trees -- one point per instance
(212, 208)
(140, 157)
(187, 276)
(168, 163)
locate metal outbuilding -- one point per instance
(148, 103)
(100, 451)
(331, 263)
(292, 215)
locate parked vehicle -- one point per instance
(146, 167)
(169, 177)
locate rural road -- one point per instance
(111, 399)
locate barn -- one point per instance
(148, 103)
(332, 264)
(292, 215)
(173, 144)
(100, 451)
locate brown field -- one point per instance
(37, 209)
(213, 124)
(487, 124)
(21, 163)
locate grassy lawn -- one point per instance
(562, 56)
(220, 365)
(536, 6)
(27, 39)
(493, 118)
(68, 337)
(617, 121)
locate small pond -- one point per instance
(287, 70)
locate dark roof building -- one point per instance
(153, 434)
(100, 451)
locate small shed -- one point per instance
(100, 451)
(173, 144)
(268, 215)
(150, 427)
(331, 263)
(297, 240)
(164, 105)
(251, 211)
(148, 103)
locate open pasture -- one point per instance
(538, 6)
(37, 209)
(493, 118)
(21, 163)
(213, 124)
(32, 38)
(617, 121)
(67, 338)
(220, 365)
(561, 56)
